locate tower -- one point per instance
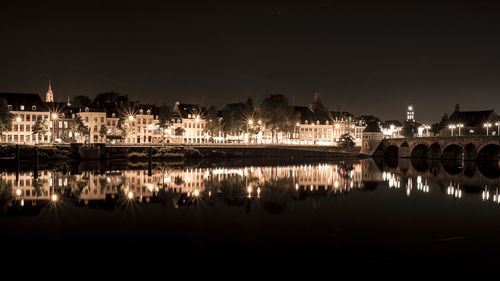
(49, 96)
(410, 114)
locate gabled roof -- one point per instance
(306, 114)
(341, 115)
(187, 110)
(369, 118)
(27, 100)
(473, 118)
(372, 127)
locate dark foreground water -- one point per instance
(345, 213)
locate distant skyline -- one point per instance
(365, 57)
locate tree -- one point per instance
(106, 97)
(346, 141)
(40, 128)
(442, 126)
(409, 128)
(277, 116)
(5, 117)
(164, 119)
(234, 118)
(124, 126)
(103, 132)
(213, 122)
(79, 101)
(77, 127)
(179, 131)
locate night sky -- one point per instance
(366, 57)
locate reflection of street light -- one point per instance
(498, 128)
(459, 126)
(487, 126)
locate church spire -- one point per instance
(49, 96)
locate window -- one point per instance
(95, 119)
(102, 119)
(22, 107)
(28, 128)
(33, 107)
(60, 124)
(28, 117)
(87, 119)
(9, 107)
(95, 128)
(65, 124)
(113, 115)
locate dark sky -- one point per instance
(367, 57)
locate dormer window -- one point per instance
(9, 106)
(307, 122)
(149, 111)
(326, 122)
(317, 122)
(141, 111)
(21, 107)
(86, 109)
(113, 115)
(33, 107)
(189, 115)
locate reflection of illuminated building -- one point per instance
(26, 188)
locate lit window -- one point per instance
(22, 107)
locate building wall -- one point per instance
(22, 125)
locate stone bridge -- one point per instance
(444, 148)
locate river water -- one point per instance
(354, 212)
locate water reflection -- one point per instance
(274, 187)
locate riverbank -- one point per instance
(179, 152)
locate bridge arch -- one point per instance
(488, 152)
(391, 151)
(420, 151)
(452, 152)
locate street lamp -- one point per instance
(130, 119)
(459, 127)
(452, 127)
(487, 126)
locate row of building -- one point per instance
(121, 121)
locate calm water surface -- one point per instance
(347, 212)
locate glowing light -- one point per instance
(249, 189)
(18, 192)
(130, 195)
(196, 193)
(250, 122)
(18, 119)
(131, 118)
(54, 116)
(53, 197)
